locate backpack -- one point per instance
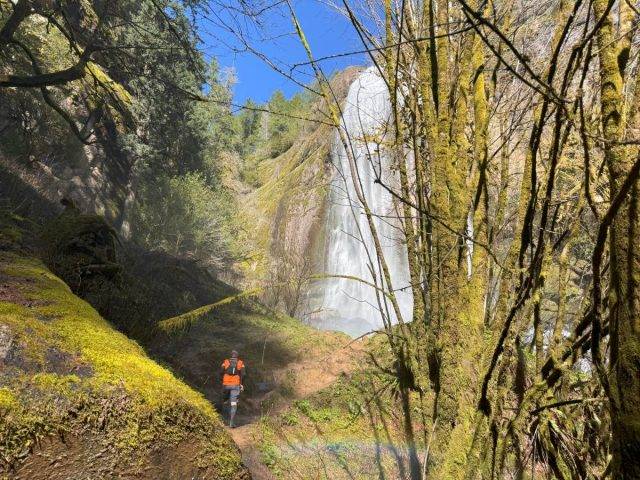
(232, 367)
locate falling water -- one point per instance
(343, 303)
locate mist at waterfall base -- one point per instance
(344, 304)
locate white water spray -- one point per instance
(345, 304)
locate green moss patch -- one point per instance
(66, 371)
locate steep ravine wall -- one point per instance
(285, 217)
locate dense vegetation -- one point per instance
(156, 116)
(513, 134)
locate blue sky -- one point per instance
(328, 32)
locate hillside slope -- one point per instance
(138, 291)
(275, 348)
(80, 400)
(157, 298)
(351, 428)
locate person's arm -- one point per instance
(222, 369)
(242, 373)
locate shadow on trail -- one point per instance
(171, 286)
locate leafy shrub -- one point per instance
(290, 418)
(184, 216)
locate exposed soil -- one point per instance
(64, 363)
(251, 457)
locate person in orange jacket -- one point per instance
(232, 375)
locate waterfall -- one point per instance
(339, 303)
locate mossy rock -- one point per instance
(84, 250)
(80, 400)
(78, 247)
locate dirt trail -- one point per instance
(311, 376)
(243, 437)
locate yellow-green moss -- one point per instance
(8, 400)
(76, 326)
(120, 391)
(296, 177)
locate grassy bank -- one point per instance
(351, 429)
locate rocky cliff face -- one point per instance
(42, 161)
(95, 181)
(285, 216)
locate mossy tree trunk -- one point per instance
(475, 308)
(454, 99)
(624, 248)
